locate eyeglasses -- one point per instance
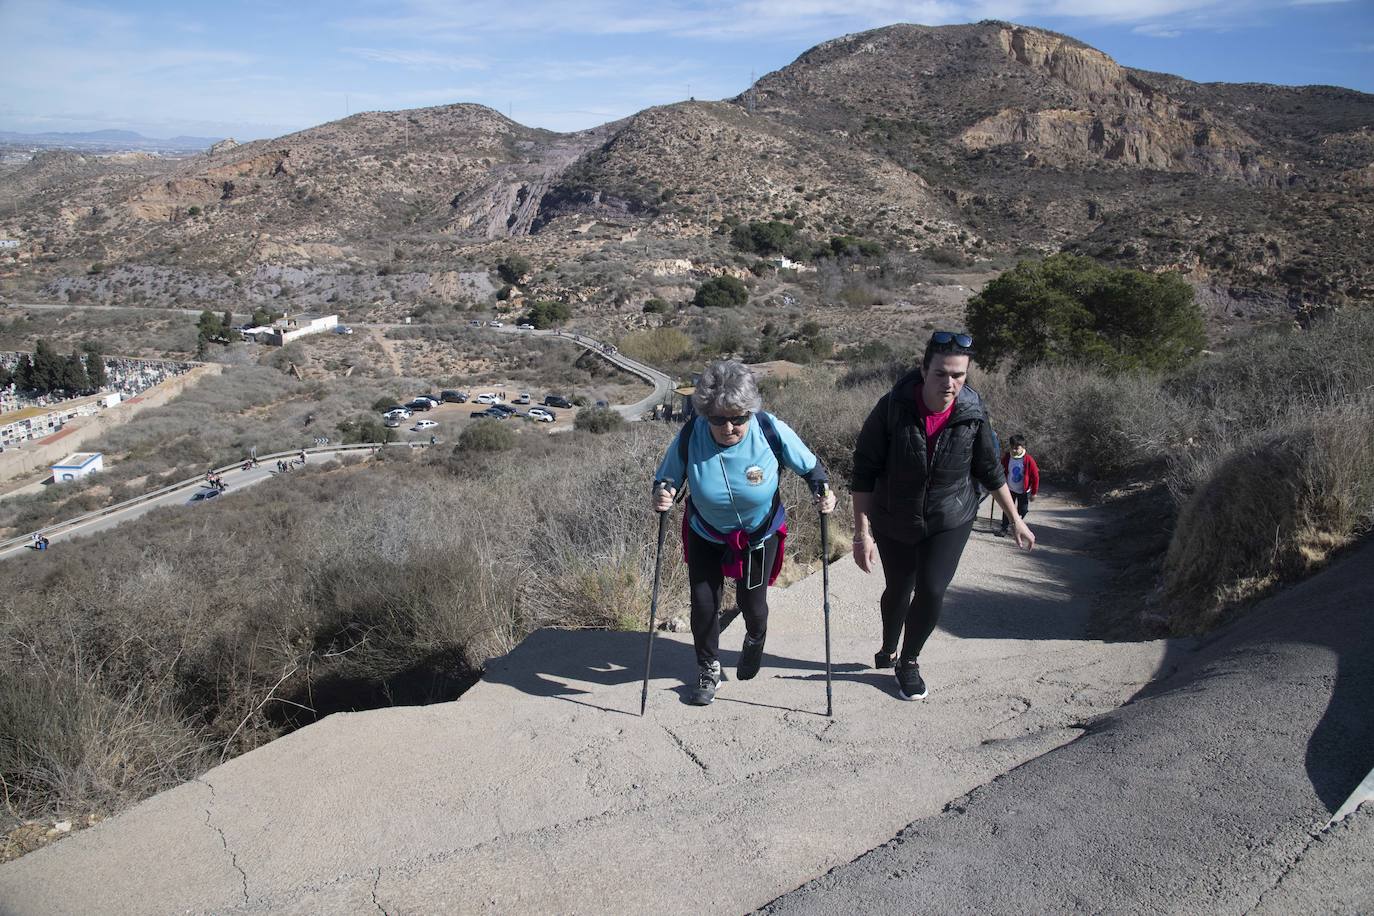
(733, 421)
(945, 337)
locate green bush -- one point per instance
(721, 292)
(771, 237)
(547, 314)
(1070, 309)
(655, 305)
(512, 268)
(486, 436)
(599, 420)
(383, 403)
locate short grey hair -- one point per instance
(726, 385)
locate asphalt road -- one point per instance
(235, 480)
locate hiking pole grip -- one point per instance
(659, 486)
(825, 605)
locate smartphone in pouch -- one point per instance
(754, 574)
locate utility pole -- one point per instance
(749, 100)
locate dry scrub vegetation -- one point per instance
(198, 633)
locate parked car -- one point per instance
(342, 329)
(453, 397)
(392, 422)
(493, 413)
(402, 413)
(433, 399)
(603, 403)
(554, 400)
(496, 324)
(424, 424)
(202, 495)
(503, 408)
(486, 397)
(524, 398)
(524, 327)
(421, 404)
(540, 414)
(476, 323)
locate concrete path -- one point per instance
(541, 790)
(1210, 794)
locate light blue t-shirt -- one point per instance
(732, 488)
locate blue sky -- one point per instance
(256, 68)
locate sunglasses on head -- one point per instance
(734, 421)
(945, 337)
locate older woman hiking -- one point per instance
(734, 525)
(917, 457)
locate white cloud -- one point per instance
(417, 59)
(1156, 30)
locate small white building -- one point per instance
(77, 465)
(289, 329)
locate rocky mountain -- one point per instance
(978, 141)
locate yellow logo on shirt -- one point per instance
(754, 475)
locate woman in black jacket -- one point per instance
(918, 455)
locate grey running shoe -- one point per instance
(750, 657)
(910, 686)
(708, 679)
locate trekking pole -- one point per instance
(825, 602)
(653, 603)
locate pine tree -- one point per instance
(95, 367)
(47, 367)
(23, 372)
(74, 374)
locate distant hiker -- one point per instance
(915, 463)
(733, 524)
(302, 456)
(1023, 479)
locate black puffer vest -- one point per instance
(915, 495)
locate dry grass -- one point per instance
(1271, 512)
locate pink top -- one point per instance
(934, 422)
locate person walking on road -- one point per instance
(915, 463)
(1023, 479)
(733, 524)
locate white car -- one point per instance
(398, 413)
(524, 398)
(524, 327)
(495, 324)
(486, 398)
(540, 414)
(424, 424)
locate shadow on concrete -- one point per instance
(569, 664)
(1291, 638)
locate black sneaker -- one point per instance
(750, 657)
(708, 679)
(884, 659)
(910, 686)
(1001, 532)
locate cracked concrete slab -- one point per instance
(542, 790)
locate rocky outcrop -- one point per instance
(162, 201)
(1075, 65)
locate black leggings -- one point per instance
(917, 576)
(1022, 508)
(708, 582)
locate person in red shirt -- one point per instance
(1023, 479)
